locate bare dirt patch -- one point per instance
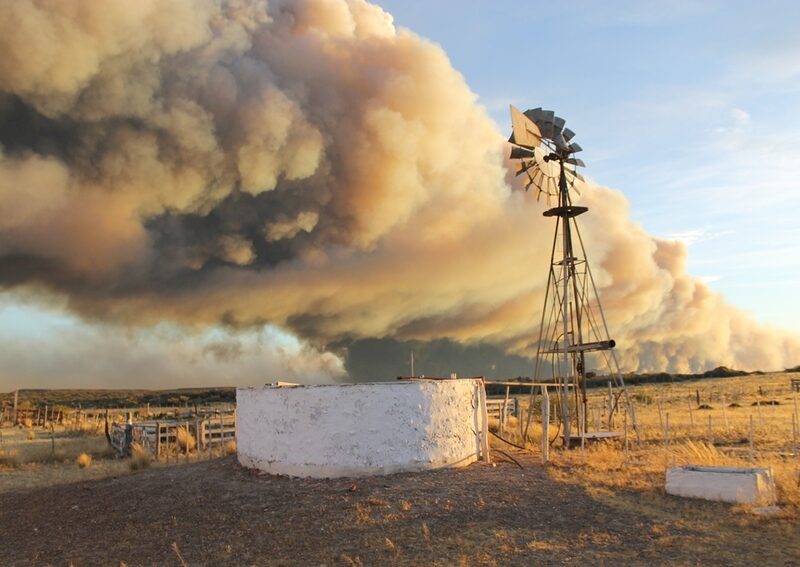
(221, 514)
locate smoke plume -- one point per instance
(304, 164)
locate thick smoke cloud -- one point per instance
(305, 164)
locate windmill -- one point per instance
(573, 329)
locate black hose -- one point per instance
(504, 440)
(506, 455)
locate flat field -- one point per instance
(601, 505)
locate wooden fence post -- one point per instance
(486, 431)
(725, 411)
(505, 410)
(545, 425)
(691, 415)
(752, 452)
(197, 435)
(625, 430)
(16, 400)
(158, 440)
(484, 427)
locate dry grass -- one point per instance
(85, 428)
(734, 420)
(9, 459)
(186, 440)
(84, 460)
(140, 457)
(230, 447)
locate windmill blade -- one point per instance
(575, 148)
(558, 125)
(560, 141)
(525, 131)
(543, 119)
(518, 152)
(534, 114)
(568, 134)
(576, 161)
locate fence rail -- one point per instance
(501, 408)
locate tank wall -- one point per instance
(359, 429)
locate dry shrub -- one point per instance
(230, 447)
(185, 439)
(140, 457)
(84, 460)
(27, 423)
(31, 435)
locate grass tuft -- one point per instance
(140, 457)
(84, 460)
(185, 439)
(230, 447)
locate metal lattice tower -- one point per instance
(573, 329)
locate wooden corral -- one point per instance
(162, 437)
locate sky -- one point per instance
(690, 109)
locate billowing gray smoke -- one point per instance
(301, 163)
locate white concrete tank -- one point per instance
(329, 431)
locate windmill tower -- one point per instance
(573, 330)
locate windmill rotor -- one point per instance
(542, 144)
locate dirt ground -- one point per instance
(218, 513)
